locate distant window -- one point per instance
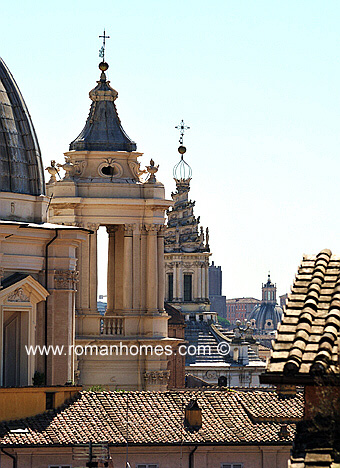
(171, 287)
(147, 466)
(231, 465)
(49, 400)
(59, 466)
(187, 288)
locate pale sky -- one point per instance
(257, 81)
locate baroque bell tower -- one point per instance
(104, 186)
(187, 248)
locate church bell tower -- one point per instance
(187, 249)
(105, 186)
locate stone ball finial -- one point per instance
(103, 66)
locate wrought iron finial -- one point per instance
(182, 127)
(102, 49)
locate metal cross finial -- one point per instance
(102, 49)
(182, 127)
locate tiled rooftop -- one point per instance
(306, 344)
(229, 417)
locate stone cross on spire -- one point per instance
(102, 49)
(182, 127)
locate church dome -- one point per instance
(266, 316)
(21, 169)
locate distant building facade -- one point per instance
(240, 308)
(217, 301)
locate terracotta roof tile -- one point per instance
(306, 343)
(229, 417)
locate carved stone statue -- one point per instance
(53, 171)
(201, 236)
(68, 168)
(177, 235)
(249, 332)
(237, 330)
(207, 237)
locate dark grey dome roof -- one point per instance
(103, 130)
(264, 312)
(21, 169)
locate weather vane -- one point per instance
(102, 49)
(182, 127)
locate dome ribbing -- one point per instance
(21, 169)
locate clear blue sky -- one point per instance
(257, 81)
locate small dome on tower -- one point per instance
(103, 130)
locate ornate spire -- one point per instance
(103, 130)
(184, 233)
(182, 171)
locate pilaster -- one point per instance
(151, 268)
(128, 267)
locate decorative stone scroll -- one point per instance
(79, 167)
(128, 229)
(66, 279)
(170, 266)
(157, 377)
(151, 227)
(110, 169)
(18, 296)
(136, 170)
(112, 229)
(93, 226)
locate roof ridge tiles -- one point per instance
(329, 336)
(306, 317)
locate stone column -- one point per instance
(161, 268)
(180, 281)
(206, 268)
(203, 282)
(93, 268)
(83, 265)
(151, 268)
(136, 274)
(61, 323)
(199, 281)
(194, 280)
(174, 282)
(127, 271)
(143, 262)
(111, 230)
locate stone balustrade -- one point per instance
(112, 325)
